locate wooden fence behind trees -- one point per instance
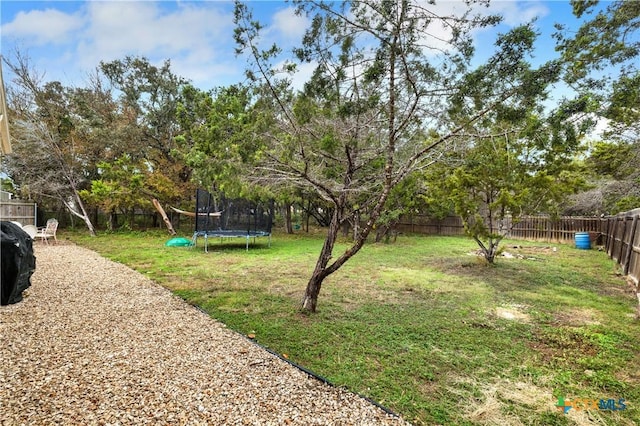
(562, 229)
(419, 224)
(537, 228)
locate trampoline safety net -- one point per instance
(221, 217)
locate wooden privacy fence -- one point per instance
(419, 224)
(539, 228)
(562, 229)
(623, 245)
(19, 211)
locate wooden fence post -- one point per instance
(627, 257)
(624, 231)
(612, 236)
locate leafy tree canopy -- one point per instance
(602, 61)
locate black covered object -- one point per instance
(17, 262)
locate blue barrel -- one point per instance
(583, 241)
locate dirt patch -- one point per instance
(632, 377)
(546, 353)
(520, 252)
(562, 345)
(577, 317)
(513, 313)
(534, 249)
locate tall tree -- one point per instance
(602, 61)
(518, 158)
(613, 170)
(52, 157)
(149, 99)
(503, 175)
(217, 140)
(377, 106)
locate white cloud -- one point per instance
(196, 36)
(521, 12)
(302, 74)
(40, 27)
(514, 13)
(118, 29)
(603, 125)
(289, 25)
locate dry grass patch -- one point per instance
(493, 408)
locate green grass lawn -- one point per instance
(423, 326)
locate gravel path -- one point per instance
(95, 342)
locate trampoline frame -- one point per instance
(225, 234)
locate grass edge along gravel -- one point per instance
(423, 326)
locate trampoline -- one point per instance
(222, 234)
(231, 218)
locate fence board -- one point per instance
(630, 245)
(617, 238)
(18, 211)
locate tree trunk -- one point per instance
(87, 222)
(489, 256)
(113, 220)
(490, 250)
(382, 231)
(346, 228)
(85, 215)
(166, 220)
(83, 212)
(356, 225)
(310, 302)
(493, 250)
(287, 218)
(175, 220)
(323, 269)
(94, 213)
(320, 272)
(82, 215)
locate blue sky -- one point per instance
(66, 40)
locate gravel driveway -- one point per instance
(95, 342)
